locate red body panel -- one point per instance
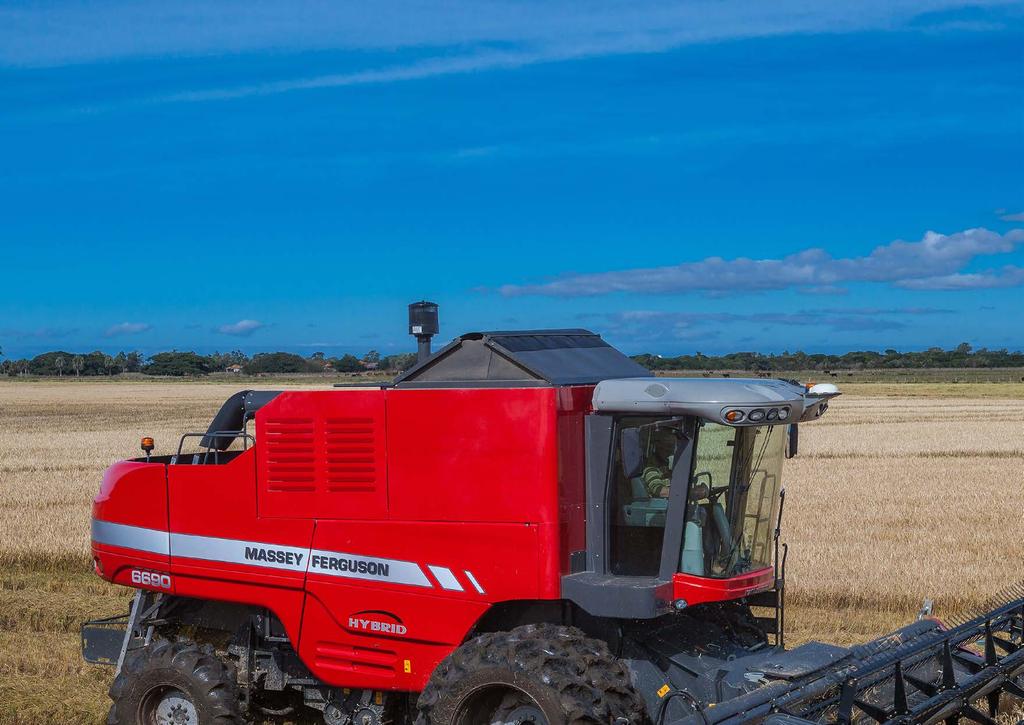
(116, 564)
(574, 403)
(229, 508)
(467, 567)
(699, 590)
(343, 654)
(229, 511)
(134, 494)
(502, 558)
(378, 525)
(481, 454)
(146, 506)
(322, 455)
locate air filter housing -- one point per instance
(423, 325)
(423, 318)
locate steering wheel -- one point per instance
(709, 491)
(700, 490)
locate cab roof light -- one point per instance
(756, 415)
(773, 414)
(734, 416)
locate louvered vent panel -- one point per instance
(362, 660)
(291, 462)
(350, 457)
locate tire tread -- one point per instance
(199, 663)
(592, 685)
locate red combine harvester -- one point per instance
(525, 527)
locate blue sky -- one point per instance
(709, 176)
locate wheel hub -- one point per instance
(174, 708)
(524, 715)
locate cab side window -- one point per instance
(638, 504)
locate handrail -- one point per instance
(244, 435)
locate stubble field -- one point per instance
(901, 492)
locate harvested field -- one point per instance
(902, 492)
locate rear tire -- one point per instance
(538, 674)
(170, 683)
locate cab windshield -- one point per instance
(731, 501)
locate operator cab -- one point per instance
(730, 504)
(683, 485)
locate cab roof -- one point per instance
(708, 398)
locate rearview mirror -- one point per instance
(629, 452)
(794, 438)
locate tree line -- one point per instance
(60, 363)
(961, 356)
(174, 363)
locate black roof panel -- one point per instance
(528, 357)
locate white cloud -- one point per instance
(657, 325)
(551, 33)
(412, 71)
(48, 34)
(1019, 217)
(241, 328)
(1008, 276)
(127, 328)
(443, 39)
(935, 259)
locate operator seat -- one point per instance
(643, 510)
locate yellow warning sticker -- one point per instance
(664, 690)
(407, 666)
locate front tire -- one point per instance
(534, 675)
(179, 683)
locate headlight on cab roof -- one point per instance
(755, 416)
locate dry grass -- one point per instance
(55, 441)
(902, 492)
(968, 391)
(892, 501)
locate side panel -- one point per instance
(141, 498)
(388, 600)
(345, 655)
(322, 455)
(573, 405)
(698, 589)
(475, 454)
(220, 548)
(129, 520)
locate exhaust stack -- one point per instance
(423, 326)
